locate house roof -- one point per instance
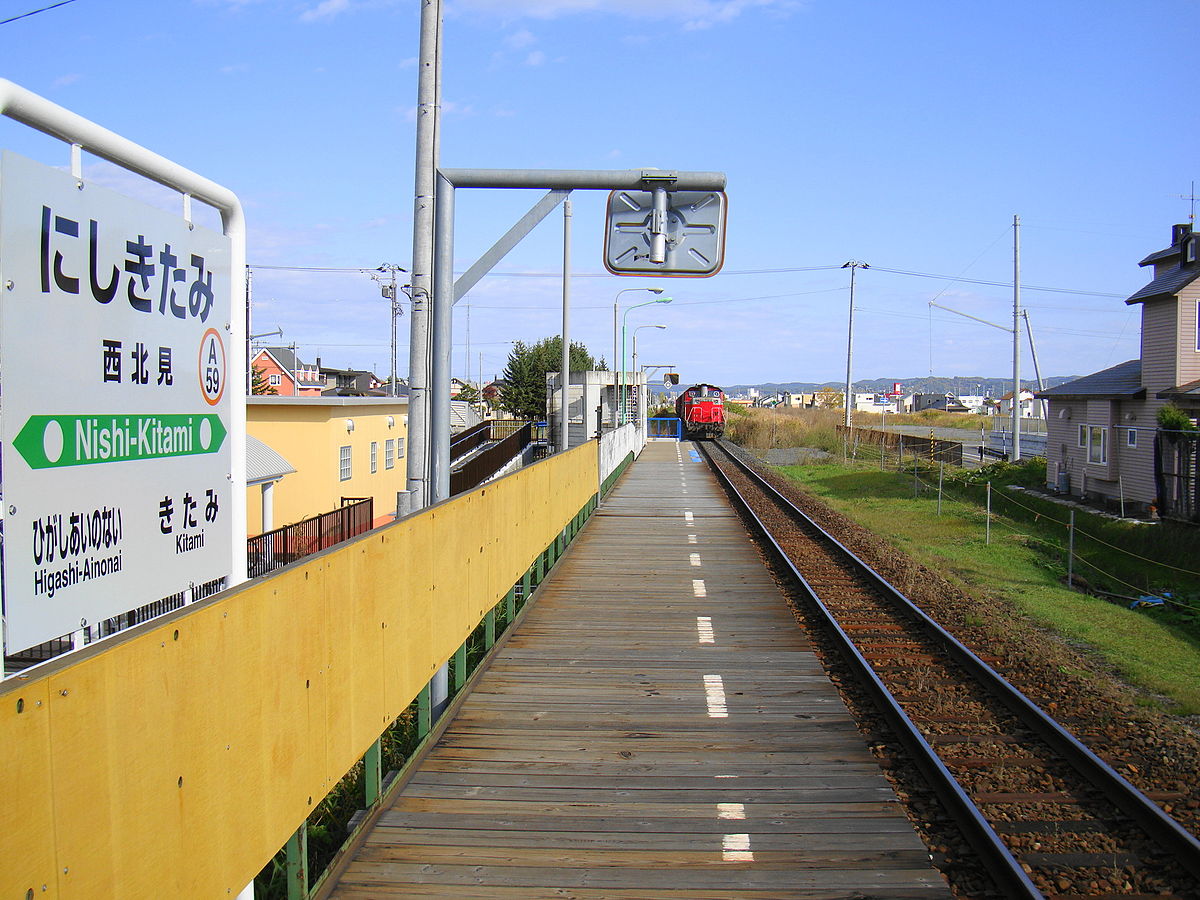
(1168, 283)
(1123, 381)
(1174, 279)
(1189, 391)
(288, 362)
(264, 464)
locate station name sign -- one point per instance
(114, 340)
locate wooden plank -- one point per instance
(657, 727)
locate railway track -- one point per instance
(1043, 813)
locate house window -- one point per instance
(1097, 444)
(1198, 326)
(1083, 435)
(275, 380)
(400, 447)
(344, 463)
(1131, 438)
(389, 453)
(374, 457)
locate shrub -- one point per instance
(1172, 418)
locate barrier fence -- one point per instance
(910, 445)
(274, 549)
(489, 461)
(177, 757)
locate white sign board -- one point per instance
(114, 348)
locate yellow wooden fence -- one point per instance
(176, 758)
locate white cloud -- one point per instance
(65, 80)
(326, 9)
(690, 14)
(536, 58)
(520, 40)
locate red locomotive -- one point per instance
(701, 409)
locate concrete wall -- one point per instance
(616, 445)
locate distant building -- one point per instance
(351, 382)
(946, 402)
(1104, 442)
(287, 374)
(1028, 406)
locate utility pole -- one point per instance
(1016, 407)
(853, 265)
(385, 277)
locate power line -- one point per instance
(1005, 284)
(36, 11)
(359, 270)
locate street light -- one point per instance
(623, 318)
(635, 364)
(616, 301)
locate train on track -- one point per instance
(701, 409)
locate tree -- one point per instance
(258, 382)
(828, 398)
(524, 391)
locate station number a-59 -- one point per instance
(212, 367)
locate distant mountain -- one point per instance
(961, 386)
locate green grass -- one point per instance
(1158, 650)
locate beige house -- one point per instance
(325, 449)
(1103, 438)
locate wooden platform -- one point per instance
(657, 727)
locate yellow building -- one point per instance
(337, 446)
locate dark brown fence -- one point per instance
(488, 462)
(908, 444)
(465, 441)
(1177, 475)
(272, 549)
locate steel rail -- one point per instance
(1170, 835)
(1010, 878)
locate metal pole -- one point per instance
(637, 381)
(1037, 371)
(849, 345)
(852, 266)
(941, 474)
(987, 539)
(428, 116)
(565, 373)
(395, 316)
(616, 371)
(440, 335)
(1071, 551)
(1016, 407)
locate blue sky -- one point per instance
(905, 135)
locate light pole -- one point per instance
(635, 364)
(619, 373)
(623, 320)
(853, 266)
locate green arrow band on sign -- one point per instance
(49, 442)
